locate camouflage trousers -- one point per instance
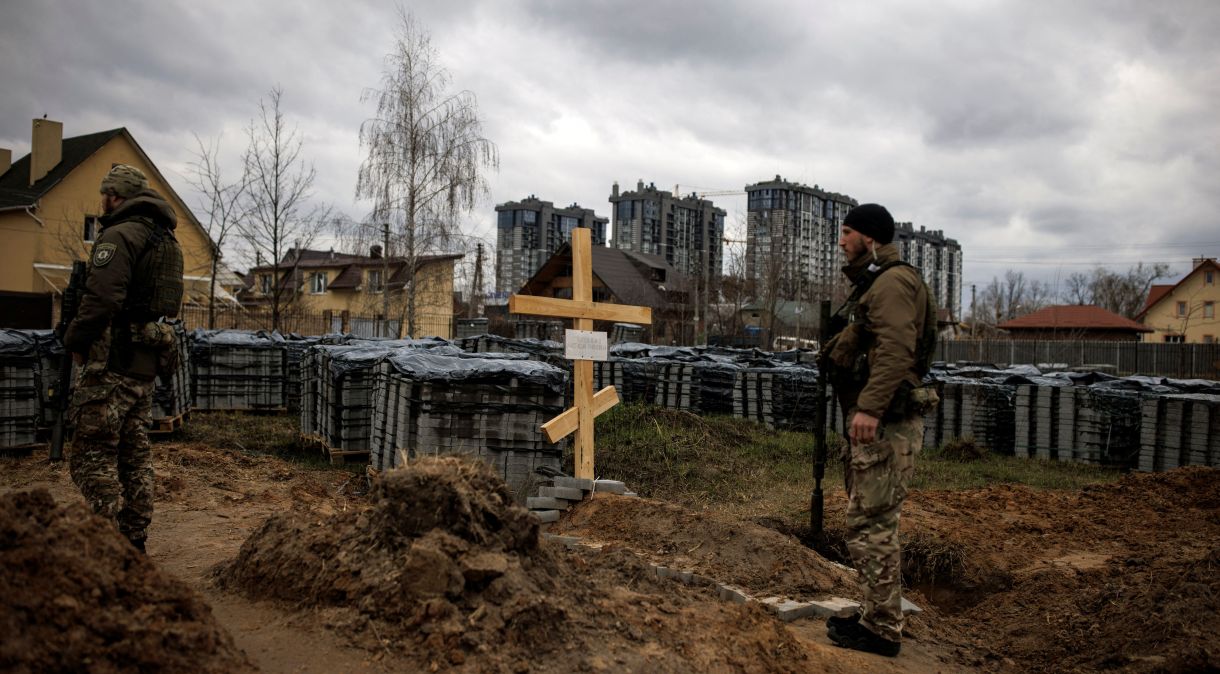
(877, 476)
(111, 461)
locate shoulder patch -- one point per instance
(103, 253)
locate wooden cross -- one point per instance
(583, 311)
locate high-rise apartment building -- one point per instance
(939, 258)
(529, 231)
(688, 232)
(792, 238)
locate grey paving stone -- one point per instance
(546, 503)
(788, 610)
(609, 486)
(546, 515)
(574, 482)
(910, 608)
(836, 606)
(733, 594)
(567, 493)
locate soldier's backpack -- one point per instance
(156, 285)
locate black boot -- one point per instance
(857, 637)
(834, 622)
(139, 545)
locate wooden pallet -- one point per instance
(167, 425)
(335, 456)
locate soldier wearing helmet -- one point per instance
(134, 280)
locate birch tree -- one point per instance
(426, 154)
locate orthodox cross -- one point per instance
(583, 311)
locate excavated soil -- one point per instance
(1118, 577)
(77, 597)
(445, 568)
(762, 561)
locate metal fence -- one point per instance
(426, 325)
(1187, 361)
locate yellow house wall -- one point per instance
(58, 240)
(434, 297)
(1164, 318)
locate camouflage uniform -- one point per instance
(877, 477)
(110, 454)
(876, 363)
(123, 345)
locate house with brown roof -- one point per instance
(1185, 311)
(353, 288)
(626, 277)
(1074, 322)
(49, 205)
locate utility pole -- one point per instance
(476, 288)
(973, 316)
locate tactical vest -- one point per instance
(925, 346)
(156, 282)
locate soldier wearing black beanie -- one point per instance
(873, 221)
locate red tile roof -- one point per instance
(1073, 317)
(1155, 293)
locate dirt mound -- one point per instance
(756, 558)
(444, 567)
(1120, 576)
(76, 594)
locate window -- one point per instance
(1181, 308)
(1209, 339)
(375, 281)
(1209, 277)
(264, 283)
(91, 228)
(1209, 310)
(1174, 339)
(317, 282)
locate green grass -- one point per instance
(724, 461)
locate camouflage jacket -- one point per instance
(123, 238)
(880, 340)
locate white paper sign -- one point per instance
(586, 345)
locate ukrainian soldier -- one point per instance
(877, 361)
(134, 279)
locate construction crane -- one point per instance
(700, 194)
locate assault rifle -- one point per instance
(820, 400)
(62, 391)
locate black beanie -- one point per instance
(871, 220)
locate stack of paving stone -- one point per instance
(535, 349)
(238, 370)
(715, 380)
(172, 395)
(1036, 426)
(777, 396)
(625, 332)
(674, 384)
(470, 327)
(982, 411)
(565, 491)
(541, 330)
(489, 406)
(337, 389)
(1179, 430)
(1099, 425)
(20, 380)
(295, 347)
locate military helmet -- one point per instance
(124, 181)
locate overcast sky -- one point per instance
(1043, 136)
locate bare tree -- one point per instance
(1125, 293)
(220, 202)
(426, 152)
(277, 212)
(1076, 289)
(1015, 296)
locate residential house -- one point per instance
(49, 204)
(351, 290)
(1074, 322)
(1185, 311)
(625, 277)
